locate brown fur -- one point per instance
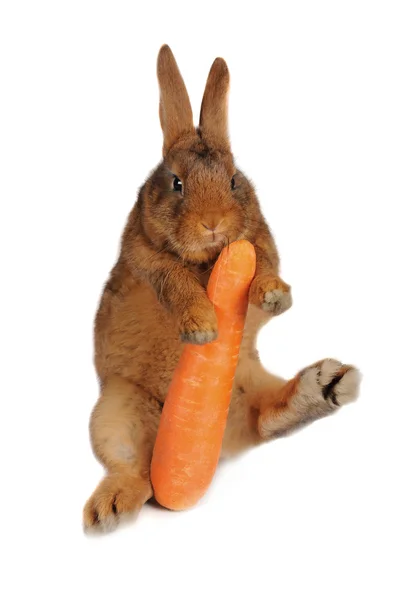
(155, 298)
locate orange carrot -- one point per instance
(193, 419)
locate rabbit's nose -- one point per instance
(212, 224)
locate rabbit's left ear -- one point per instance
(175, 111)
(214, 107)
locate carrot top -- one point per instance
(231, 276)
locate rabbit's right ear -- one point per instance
(214, 107)
(176, 115)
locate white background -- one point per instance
(314, 115)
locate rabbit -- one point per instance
(193, 204)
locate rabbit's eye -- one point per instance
(233, 183)
(177, 184)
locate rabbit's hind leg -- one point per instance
(123, 429)
(317, 391)
(254, 389)
(264, 406)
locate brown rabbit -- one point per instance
(195, 202)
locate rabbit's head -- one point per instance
(196, 201)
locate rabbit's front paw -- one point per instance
(198, 325)
(272, 294)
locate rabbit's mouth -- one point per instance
(213, 232)
(205, 250)
(215, 239)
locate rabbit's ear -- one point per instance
(214, 107)
(175, 111)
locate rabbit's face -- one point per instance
(198, 201)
